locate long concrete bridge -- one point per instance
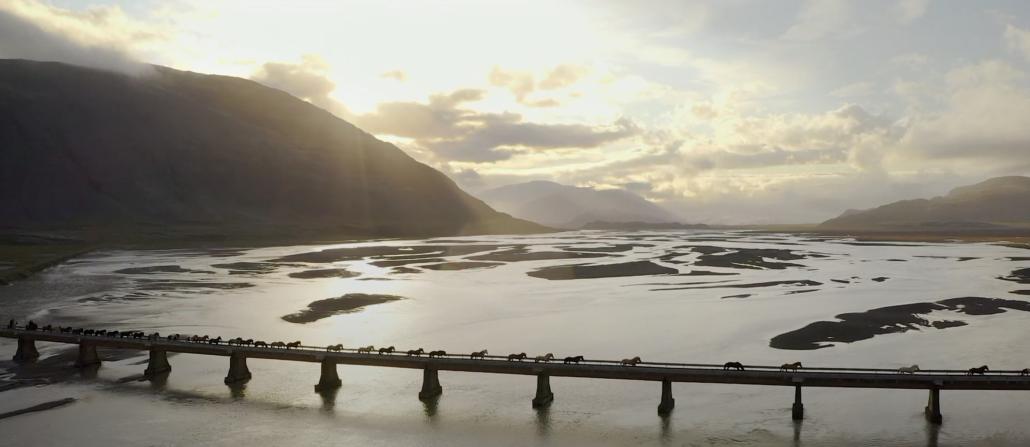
(666, 373)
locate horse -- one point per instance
(295, 344)
(154, 336)
(248, 342)
(439, 353)
(215, 341)
(574, 359)
(520, 356)
(336, 348)
(544, 358)
(366, 350)
(77, 331)
(48, 328)
(387, 350)
(416, 352)
(791, 366)
(980, 370)
(277, 344)
(260, 344)
(479, 354)
(88, 332)
(65, 330)
(732, 365)
(631, 362)
(908, 369)
(1025, 372)
(98, 333)
(139, 335)
(235, 341)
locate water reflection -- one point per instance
(89, 372)
(328, 399)
(666, 425)
(237, 390)
(429, 407)
(159, 381)
(932, 430)
(543, 421)
(797, 431)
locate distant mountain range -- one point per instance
(175, 149)
(1000, 202)
(564, 206)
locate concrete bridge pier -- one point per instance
(26, 350)
(330, 379)
(668, 402)
(430, 384)
(797, 412)
(238, 371)
(158, 363)
(933, 407)
(544, 396)
(87, 356)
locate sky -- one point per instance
(731, 111)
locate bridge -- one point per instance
(934, 381)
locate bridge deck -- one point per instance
(598, 369)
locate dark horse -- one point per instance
(1025, 372)
(979, 370)
(573, 359)
(733, 365)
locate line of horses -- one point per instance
(514, 357)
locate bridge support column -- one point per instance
(238, 371)
(430, 384)
(26, 350)
(797, 412)
(158, 363)
(668, 402)
(329, 379)
(87, 356)
(544, 396)
(933, 407)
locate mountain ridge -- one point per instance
(995, 202)
(86, 147)
(554, 204)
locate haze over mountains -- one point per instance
(997, 202)
(85, 147)
(564, 206)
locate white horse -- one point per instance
(908, 369)
(544, 358)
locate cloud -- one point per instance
(522, 84)
(909, 11)
(985, 117)
(820, 19)
(454, 132)
(856, 89)
(1018, 39)
(307, 80)
(397, 75)
(98, 37)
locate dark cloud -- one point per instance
(456, 133)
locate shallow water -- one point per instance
(487, 299)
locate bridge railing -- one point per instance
(598, 362)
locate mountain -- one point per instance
(566, 206)
(81, 147)
(994, 203)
